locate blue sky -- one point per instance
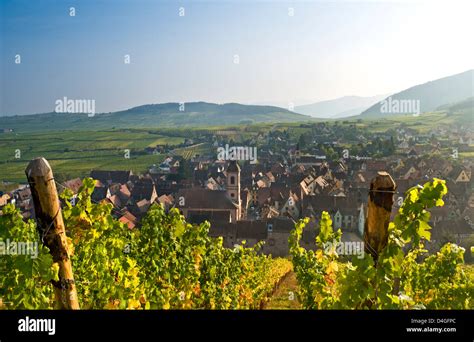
(325, 50)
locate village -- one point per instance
(276, 178)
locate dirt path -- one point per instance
(284, 296)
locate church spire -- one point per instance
(233, 184)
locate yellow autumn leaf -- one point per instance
(95, 233)
(133, 304)
(413, 195)
(332, 267)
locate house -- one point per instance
(200, 176)
(115, 201)
(307, 160)
(411, 173)
(212, 184)
(460, 175)
(22, 199)
(412, 153)
(198, 202)
(274, 232)
(268, 211)
(270, 177)
(203, 201)
(376, 165)
(457, 231)
(170, 163)
(403, 145)
(278, 232)
(274, 195)
(344, 211)
(144, 189)
(262, 183)
(290, 207)
(213, 216)
(143, 206)
(73, 185)
(237, 232)
(163, 168)
(109, 177)
(311, 185)
(129, 219)
(165, 187)
(166, 201)
(277, 169)
(100, 193)
(123, 192)
(22, 195)
(188, 142)
(251, 232)
(4, 199)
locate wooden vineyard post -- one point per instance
(382, 189)
(51, 228)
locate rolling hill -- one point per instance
(465, 106)
(339, 108)
(432, 95)
(155, 115)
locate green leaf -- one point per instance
(424, 230)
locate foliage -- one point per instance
(184, 268)
(24, 280)
(405, 276)
(166, 264)
(106, 276)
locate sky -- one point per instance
(274, 52)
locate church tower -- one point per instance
(297, 152)
(233, 185)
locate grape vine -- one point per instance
(405, 277)
(166, 264)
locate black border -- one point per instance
(265, 325)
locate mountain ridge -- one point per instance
(340, 107)
(431, 95)
(169, 114)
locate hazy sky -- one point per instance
(324, 51)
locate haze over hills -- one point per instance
(156, 115)
(452, 94)
(431, 95)
(339, 108)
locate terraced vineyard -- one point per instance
(191, 151)
(75, 153)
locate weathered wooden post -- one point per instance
(51, 228)
(382, 189)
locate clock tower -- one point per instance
(233, 185)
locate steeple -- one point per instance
(233, 184)
(297, 152)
